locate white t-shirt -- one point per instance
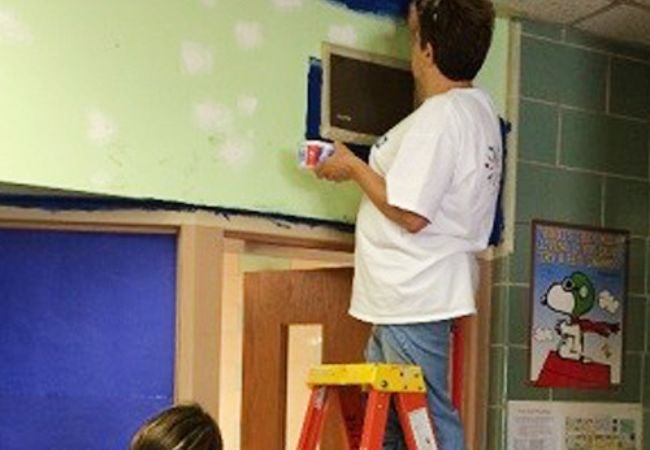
(442, 162)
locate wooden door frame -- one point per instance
(476, 364)
(202, 238)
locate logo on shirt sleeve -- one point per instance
(493, 166)
(381, 141)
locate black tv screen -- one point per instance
(364, 96)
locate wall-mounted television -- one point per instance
(364, 95)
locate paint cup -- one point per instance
(312, 153)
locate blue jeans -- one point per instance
(426, 345)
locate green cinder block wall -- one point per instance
(584, 141)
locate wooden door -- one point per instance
(272, 302)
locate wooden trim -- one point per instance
(254, 229)
(237, 246)
(512, 114)
(198, 319)
(87, 227)
(476, 364)
(290, 241)
(116, 217)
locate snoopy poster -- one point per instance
(579, 278)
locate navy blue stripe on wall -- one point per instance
(314, 89)
(498, 227)
(86, 338)
(392, 8)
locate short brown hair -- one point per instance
(460, 33)
(183, 427)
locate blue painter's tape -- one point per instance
(314, 88)
(391, 8)
(87, 341)
(499, 220)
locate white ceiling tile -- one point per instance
(624, 22)
(559, 11)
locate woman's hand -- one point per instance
(339, 166)
(343, 165)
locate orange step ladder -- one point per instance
(364, 392)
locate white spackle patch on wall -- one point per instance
(101, 179)
(196, 58)
(287, 4)
(209, 3)
(236, 151)
(342, 34)
(248, 34)
(102, 129)
(212, 117)
(13, 30)
(247, 105)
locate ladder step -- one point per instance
(380, 377)
(363, 394)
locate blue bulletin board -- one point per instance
(87, 330)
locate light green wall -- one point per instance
(200, 101)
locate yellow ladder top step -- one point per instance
(380, 377)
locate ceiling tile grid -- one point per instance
(627, 23)
(560, 11)
(621, 20)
